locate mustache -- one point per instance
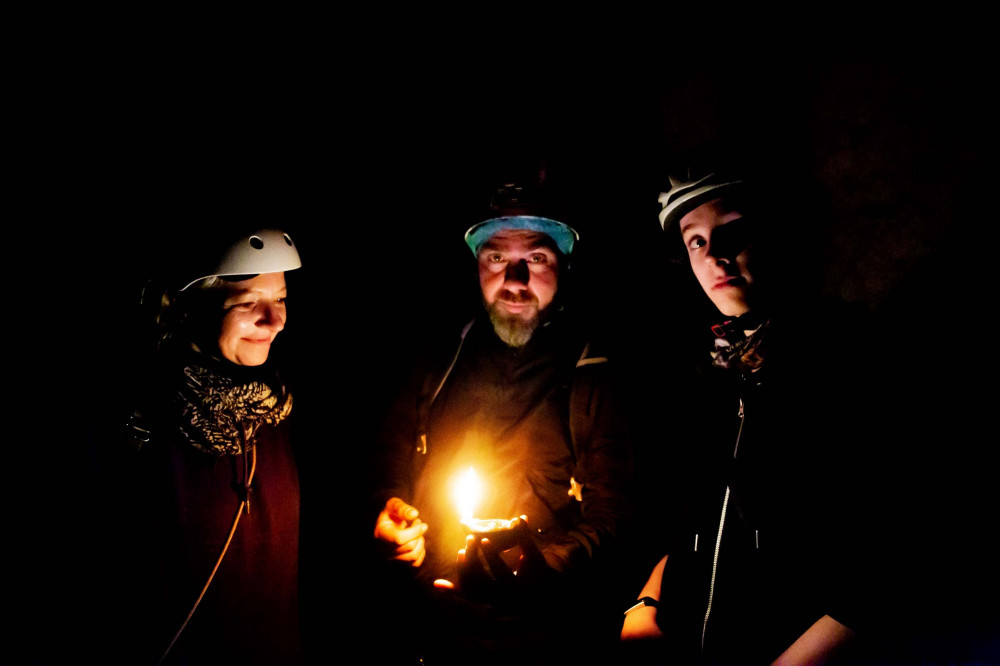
(517, 296)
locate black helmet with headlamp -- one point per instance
(524, 205)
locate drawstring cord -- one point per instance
(244, 503)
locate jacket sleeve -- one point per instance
(603, 470)
(402, 432)
(395, 447)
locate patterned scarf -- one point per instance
(219, 412)
(739, 344)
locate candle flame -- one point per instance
(467, 492)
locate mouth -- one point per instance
(258, 341)
(516, 302)
(515, 306)
(518, 306)
(736, 282)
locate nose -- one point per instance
(517, 273)
(716, 256)
(713, 253)
(272, 316)
(728, 240)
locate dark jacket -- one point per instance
(533, 422)
(770, 483)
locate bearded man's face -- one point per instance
(518, 276)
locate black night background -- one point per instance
(376, 166)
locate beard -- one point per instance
(515, 330)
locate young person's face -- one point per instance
(253, 315)
(719, 248)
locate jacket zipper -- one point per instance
(718, 538)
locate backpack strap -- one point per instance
(425, 408)
(581, 415)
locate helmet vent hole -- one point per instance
(288, 240)
(256, 243)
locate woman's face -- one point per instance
(719, 245)
(253, 315)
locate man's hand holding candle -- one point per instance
(483, 573)
(400, 529)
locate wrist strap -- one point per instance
(643, 601)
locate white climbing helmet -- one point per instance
(686, 194)
(263, 251)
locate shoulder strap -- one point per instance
(451, 366)
(581, 407)
(425, 406)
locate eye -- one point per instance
(696, 242)
(538, 258)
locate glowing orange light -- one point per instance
(467, 492)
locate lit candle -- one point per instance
(467, 492)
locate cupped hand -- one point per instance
(484, 574)
(401, 532)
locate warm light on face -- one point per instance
(519, 272)
(467, 492)
(253, 313)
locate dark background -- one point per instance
(375, 164)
